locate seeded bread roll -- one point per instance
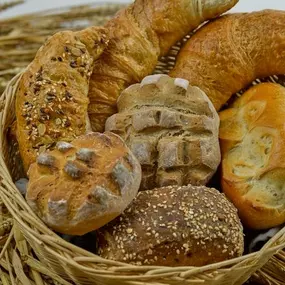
(51, 101)
(81, 186)
(174, 226)
(172, 128)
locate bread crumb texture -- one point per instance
(252, 138)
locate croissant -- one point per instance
(226, 55)
(139, 35)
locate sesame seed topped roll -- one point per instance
(174, 226)
(52, 97)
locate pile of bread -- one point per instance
(110, 148)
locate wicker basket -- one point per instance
(33, 254)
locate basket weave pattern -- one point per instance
(31, 244)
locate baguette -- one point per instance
(139, 36)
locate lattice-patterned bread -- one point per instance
(172, 128)
(82, 185)
(252, 136)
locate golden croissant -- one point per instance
(139, 35)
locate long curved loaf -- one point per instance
(229, 53)
(80, 186)
(139, 35)
(174, 226)
(51, 100)
(172, 128)
(252, 139)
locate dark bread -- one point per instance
(174, 226)
(173, 130)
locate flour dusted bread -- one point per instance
(174, 226)
(172, 128)
(82, 185)
(51, 100)
(139, 35)
(227, 54)
(252, 139)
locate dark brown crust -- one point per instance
(174, 226)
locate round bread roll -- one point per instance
(81, 186)
(173, 130)
(252, 136)
(174, 226)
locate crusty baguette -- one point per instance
(52, 101)
(252, 139)
(172, 128)
(80, 186)
(139, 35)
(174, 226)
(229, 53)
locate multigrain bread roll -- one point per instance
(172, 128)
(82, 185)
(51, 101)
(139, 35)
(174, 226)
(252, 139)
(227, 54)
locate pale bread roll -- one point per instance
(172, 128)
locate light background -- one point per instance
(38, 5)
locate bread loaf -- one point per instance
(82, 185)
(51, 101)
(139, 36)
(172, 128)
(229, 53)
(252, 139)
(174, 226)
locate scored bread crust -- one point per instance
(227, 54)
(52, 97)
(252, 139)
(82, 185)
(174, 226)
(172, 128)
